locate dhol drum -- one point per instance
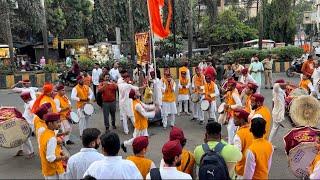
(14, 132)
(304, 111)
(300, 158)
(195, 97)
(221, 108)
(205, 105)
(88, 109)
(74, 117)
(7, 112)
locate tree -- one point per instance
(280, 21)
(166, 45)
(228, 29)
(55, 17)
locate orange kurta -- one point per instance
(183, 68)
(49, 168)
(183, 82)
(38, 123)
(266, 115)
(304, 84)
(209, 89)
(64, 103)
(198, 81)
(185, 157)
(142, 163)
(262, 151)
(246, 138)
(247, 106)
(47, 99)
(168, 95)
(140, 122)
(230, 101)
(82, 93)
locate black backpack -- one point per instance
(212, 164)
(99, 99)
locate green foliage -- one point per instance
(228, 29)
(299, 9)
(56, 21)
(284, 53)
(279, 21)
(86, 63)
(166, 45)
(51, 68)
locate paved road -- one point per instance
(18, 167)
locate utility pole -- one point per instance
(8, 30)
(190, 31)
(261, 23)
(131, 29)
(174, 29)
(44, 30)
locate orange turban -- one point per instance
(47, 88)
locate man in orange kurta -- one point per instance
(51, 154)
(140, 147)
(198, 81)
(64, 108)
(243, 138)
(45, 97)
(250, 89)
(82, 94)
(183, 94)
(260, 110)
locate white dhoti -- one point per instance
(66, 126)
(231, 130)
(197, 112)
(317, 87)
(212, 111)
(183, 99)
(83, 121)
(135, 134)
(125, 114)
(27, 147)
(57, 176)
(168, 111)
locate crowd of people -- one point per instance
(251, 125)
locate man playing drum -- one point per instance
(45, 97)
(306, 84)
(260, 110)
(141, 113)
(183, 96)
(51, 154)
(211, 92)
(64, 107)
(250, 89)
(232, 100)
(169, 108)
(197, 82)
(82, 94)
(39, 123)
(26, 147)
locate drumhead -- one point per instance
(298, 92)
(221, 108)
(195, 97)
(205, 105)
(88, 109)
(14, 132)
(300, 158)
(74, 117)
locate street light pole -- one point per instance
(8, 30)
(261, 23)
(44, 29)
(131, 29)
(190, 29)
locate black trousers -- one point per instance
(95, 91)
(109, 108)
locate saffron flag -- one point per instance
(155, 19)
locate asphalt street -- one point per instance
(12, 167)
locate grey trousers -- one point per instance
(109, 108)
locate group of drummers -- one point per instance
(202, 91)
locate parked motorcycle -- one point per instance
(67, 81)
(296, 66)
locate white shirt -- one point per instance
(317, 50)
(237, 100)
(57, 102)
(114, 73)
(76, 98)
(113, 167)
(237, 142)
(80, 162)
(316, 172)
(171, 173)
(32, 91)
(27, 114)
(246, 79)
(145, 110)
(51, 148)
(316, 75)
(278, 110)
(157, 93)
(124, 90)
(96, 75)
(251, 164)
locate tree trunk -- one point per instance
(9, 33)
(261, 23)
(44, 30)
(131, 29)
(212, 9)
(190, 30)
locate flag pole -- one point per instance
(152, 43)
